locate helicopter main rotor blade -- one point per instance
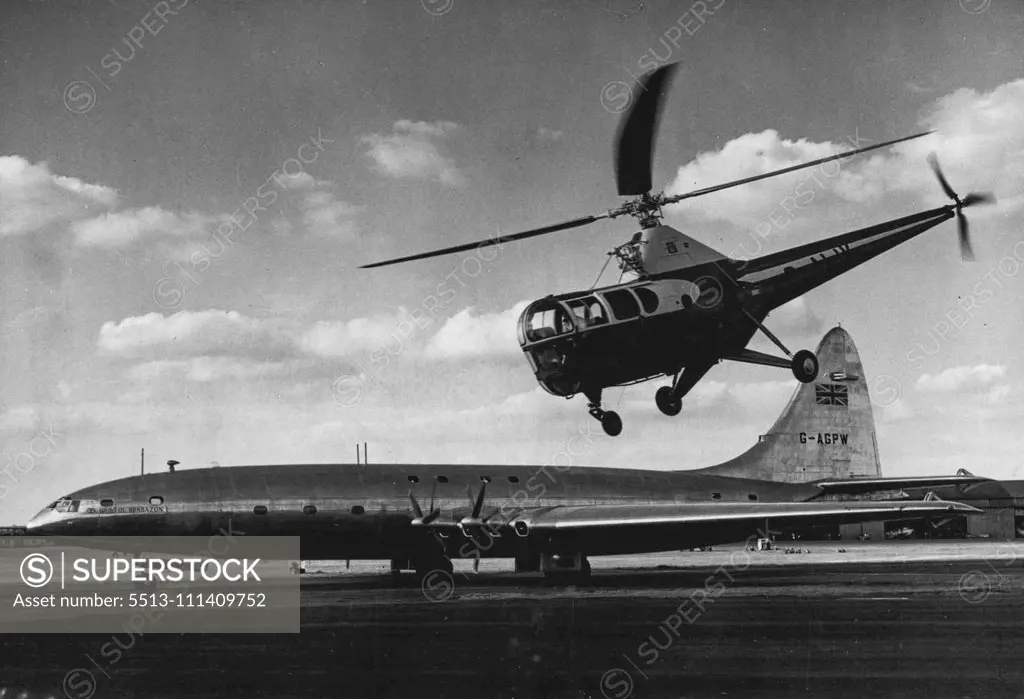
(574, 223)
(736, 183)
(634, 143)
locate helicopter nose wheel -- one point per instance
(667, 402)
(805, 366)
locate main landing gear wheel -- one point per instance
(805, 366)
(611, 423)
(666, 402)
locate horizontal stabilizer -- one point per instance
(856, 486)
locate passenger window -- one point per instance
(309, 509)
(752, 496)
(156, 500)
(106, 502)
(648, 299)
(259, 510)
(623, 304)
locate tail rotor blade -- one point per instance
(963, 230)
(933, 160)
(979, 198)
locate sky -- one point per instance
(188, 188)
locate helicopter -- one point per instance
(686, 306)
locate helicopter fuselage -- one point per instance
(690, 317)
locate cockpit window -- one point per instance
(548, 322)
(64, 505)
(588, 312)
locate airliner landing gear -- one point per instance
(610, 421)
(565, 569)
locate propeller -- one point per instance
(474, 520)
(634, 157)
(420, 520)
(960, 204)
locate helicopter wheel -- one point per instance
(611, 423)
(805, 366)
(666, 402)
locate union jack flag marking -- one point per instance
(832, 394)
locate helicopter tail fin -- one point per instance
(826, 431)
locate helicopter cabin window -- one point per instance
(588, 311)
(623, 304)
(548, 322)
(648, 299)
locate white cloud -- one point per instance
(32, 197)
(19, 419)
(392, 332)
(323, 214)
(796, 317)
(300, 180)
(205, 369)
(469, 335)
(124, 227)
(961, 377)
(546, 134)
(193, 333)
(412, 151)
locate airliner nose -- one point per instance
(46, 521)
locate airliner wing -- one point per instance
(780, 514)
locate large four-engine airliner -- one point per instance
(551, 519)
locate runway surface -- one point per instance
(727, 623)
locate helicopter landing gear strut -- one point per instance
(803, 364)
(669, 399)
(610, 421)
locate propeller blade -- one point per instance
(934, 162)
(966, 253)
(574, 223)
(479, 500)
(476, 564)
(634, 142)
(747, 180)
(415, 506)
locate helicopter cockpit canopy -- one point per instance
(542, 320)
(544, 331)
